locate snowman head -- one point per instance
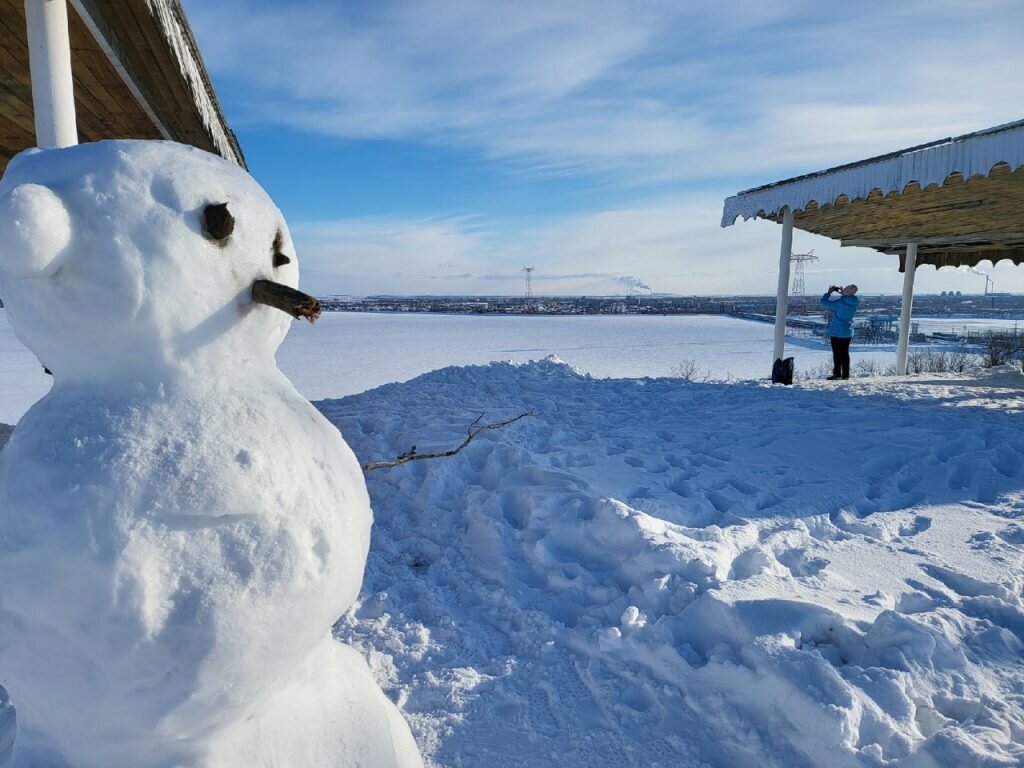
(144, 259)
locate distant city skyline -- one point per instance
(436, 147)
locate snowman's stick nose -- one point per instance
(295, 303)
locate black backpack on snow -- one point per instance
(782, 371)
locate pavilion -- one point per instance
(104, 69)
(952, 202)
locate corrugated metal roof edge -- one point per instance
(734, 206)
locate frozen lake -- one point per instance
(346, 353)
(968, 325)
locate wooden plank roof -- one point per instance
(137, 72)
(961, 199)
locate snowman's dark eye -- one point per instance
(279, 258)
(218, 223)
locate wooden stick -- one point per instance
(472, 431)
(295, 303)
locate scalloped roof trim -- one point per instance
(971, 155)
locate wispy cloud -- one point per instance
(665, 107)
(654, 90)
(662, 245)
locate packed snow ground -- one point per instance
(651, 572)
(660, 573)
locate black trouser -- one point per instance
(840, 357)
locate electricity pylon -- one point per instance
(798, 260)
(529, 303)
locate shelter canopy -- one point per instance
(960, 199)
(137, 74)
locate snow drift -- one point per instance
(660, 573)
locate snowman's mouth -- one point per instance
(295, 303)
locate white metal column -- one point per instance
(782, 300)
(53, 96)
(910, 265)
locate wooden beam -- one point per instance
(105, 39)
(942, 240)
(989, 204)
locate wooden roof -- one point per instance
(961, 199)
(137, 74)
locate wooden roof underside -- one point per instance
(958, 223)
(960, 199)
(146, 95)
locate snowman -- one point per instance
(179, 528)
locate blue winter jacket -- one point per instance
(843, 309)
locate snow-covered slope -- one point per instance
(660, 573)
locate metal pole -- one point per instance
(53, 96)
(910, 265)
(782, 299)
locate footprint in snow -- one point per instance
(720, 501)
(882, 526)
(877, 468)
(801, 564)
(766, 501)
(964, 585)
(960, 476)
(908, 480)
(948, 450)
(917, 601)
(1007, 461)
(679, 462)
(750, 563)
(681, 487)
(1013, 534)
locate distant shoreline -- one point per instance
(1001, 306)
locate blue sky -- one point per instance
(438, 146)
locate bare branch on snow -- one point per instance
(471, 432)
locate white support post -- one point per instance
(910, 265)
(53, 96)
(782, 300)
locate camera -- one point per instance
(836, 288)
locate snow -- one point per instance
(179, 528)
(659, 573)
(382, 348)
(644, 572)
(386, 348)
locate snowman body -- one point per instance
(179, 528)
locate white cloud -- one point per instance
(700, 99)
(669, 246)
(388, 255)
(653, 91)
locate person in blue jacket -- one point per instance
(840, 328)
